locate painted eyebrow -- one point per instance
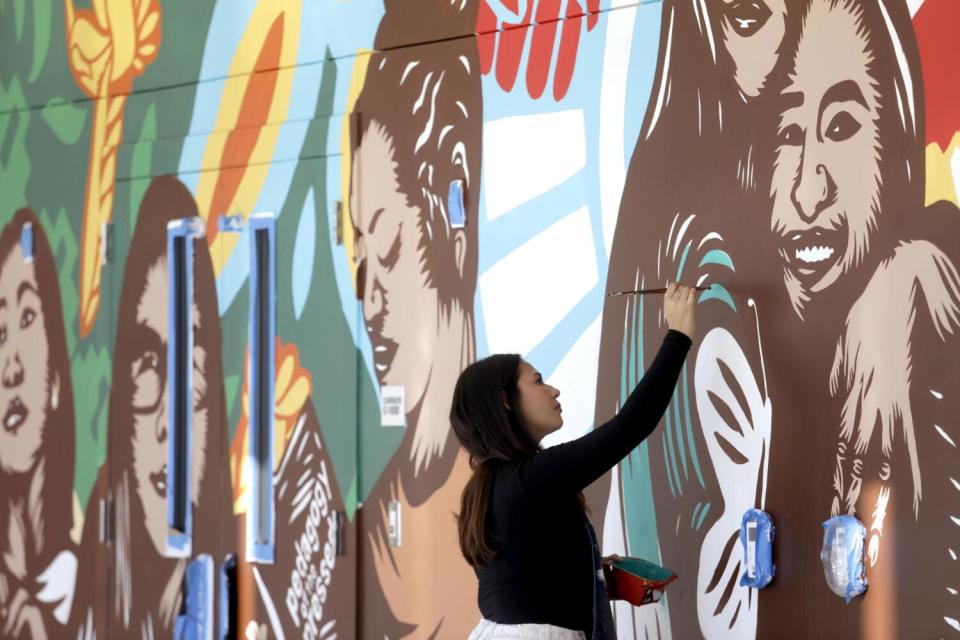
(374, 219)
(23, 288)
(791, 100)
(844, 91)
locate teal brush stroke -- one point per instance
(703, 516)
(672, 466)
(673, 491)
(693, 518)
(718, 292)
(717, 256)
(678, 425)
(686, 414)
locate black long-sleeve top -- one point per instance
(543, 568)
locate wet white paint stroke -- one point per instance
(943, 434)
(267, 601)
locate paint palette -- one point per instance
(636, 580)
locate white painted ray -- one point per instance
(526, 156)
(528, 292)
(576, 378)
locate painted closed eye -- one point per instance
(27, 318)
(393, 255)
(842, 127)
(746, 17)
(791, 135)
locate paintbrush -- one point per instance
(643, 292)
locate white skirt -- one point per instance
(488, 630)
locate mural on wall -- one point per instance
(38, 562)
(108, 46)
(466, 178)
(308, 591)
(147, 586)
(415, 184)
(778, 136)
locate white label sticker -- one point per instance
(393, 411)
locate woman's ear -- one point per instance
(460, 249)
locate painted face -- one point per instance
(752, 33)
(400, 310)
(826, 176)
(148, 372)
(539, 408)
(27, 391)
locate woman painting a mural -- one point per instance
(522, 522)
(145, 586)
(707, 127)
(414, 207)
(37, 561)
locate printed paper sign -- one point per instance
(393, 412)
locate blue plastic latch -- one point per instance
(26, 242)
(756, 536)
(231, 224)
(196, 621)
(458, 215)
(842, 555)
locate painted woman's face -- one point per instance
(826, 180)
(400, 310)
(27, 391)
(149, 404)
(752, 33)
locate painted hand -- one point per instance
(23, 614)
(503, 26)
(872, 371)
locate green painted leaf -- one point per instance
(41, 36)
(65, 120)
(141, 160)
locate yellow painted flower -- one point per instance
(107, 47)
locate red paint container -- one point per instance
(636, 580)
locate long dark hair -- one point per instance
(166, 199)
(485, 421)
(51, 517)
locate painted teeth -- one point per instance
(380, 367)
(814, 254)
(380, 349)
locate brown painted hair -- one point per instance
(49, 527)
(165, 200)
(492, 434)
(428, 100)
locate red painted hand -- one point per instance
(507, 28)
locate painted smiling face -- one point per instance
(28, 387)
(149, 406)
(826, 179)
(400, 308)
(752, 32)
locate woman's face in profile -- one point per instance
(752, 33)
(27, 390)
(148, 373)
(539, 408)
